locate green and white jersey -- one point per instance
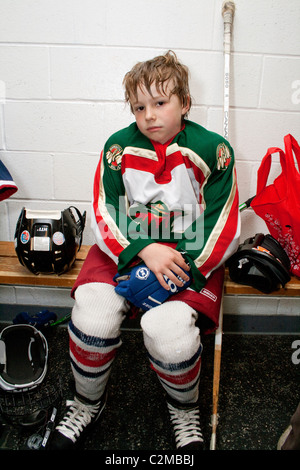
(183, 192)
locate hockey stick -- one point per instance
(228, 9)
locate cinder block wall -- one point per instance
(61, 68)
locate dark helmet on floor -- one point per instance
(23, 357)
(27, 393)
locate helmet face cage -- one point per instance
(32, 407)
(48, 241)
(26, 394)
(260, 262)
(23, 358)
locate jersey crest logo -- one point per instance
(223, 157)
(114, 157)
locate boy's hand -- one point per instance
(141, 287)
(164, 260)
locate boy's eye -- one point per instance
(160, 103)
(139, 108)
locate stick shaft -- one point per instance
(216, 386)
(216, 377)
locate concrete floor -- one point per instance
(259, 392)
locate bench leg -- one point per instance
(216, 378)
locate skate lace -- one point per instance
(186, 424)
(77, 418)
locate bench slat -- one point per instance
(291, 289)
(12, 272)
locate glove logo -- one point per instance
(142, 273)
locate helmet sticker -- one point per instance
(41, 243)
(58, 238)
(25, 236)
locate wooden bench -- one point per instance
(13, 273)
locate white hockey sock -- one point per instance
(94, 333)
(174, 347)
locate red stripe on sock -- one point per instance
(181, 379)
(91, 358)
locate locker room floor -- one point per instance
(259, 392)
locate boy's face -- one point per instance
(158, 117)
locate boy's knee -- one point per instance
(174, 316)
(170, 332)
(98, 310)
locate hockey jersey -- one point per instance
(183, 193)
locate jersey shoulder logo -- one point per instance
(114, 157)
(223, 156)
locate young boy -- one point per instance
(165, 198)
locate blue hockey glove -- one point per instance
(38, 320)
(141, 287)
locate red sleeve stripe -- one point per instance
(107, 228)
(214, 252)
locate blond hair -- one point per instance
(159, 71)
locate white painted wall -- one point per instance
(61, 68)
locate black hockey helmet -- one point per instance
(23, 358)
(48, 241)
(260, 262)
